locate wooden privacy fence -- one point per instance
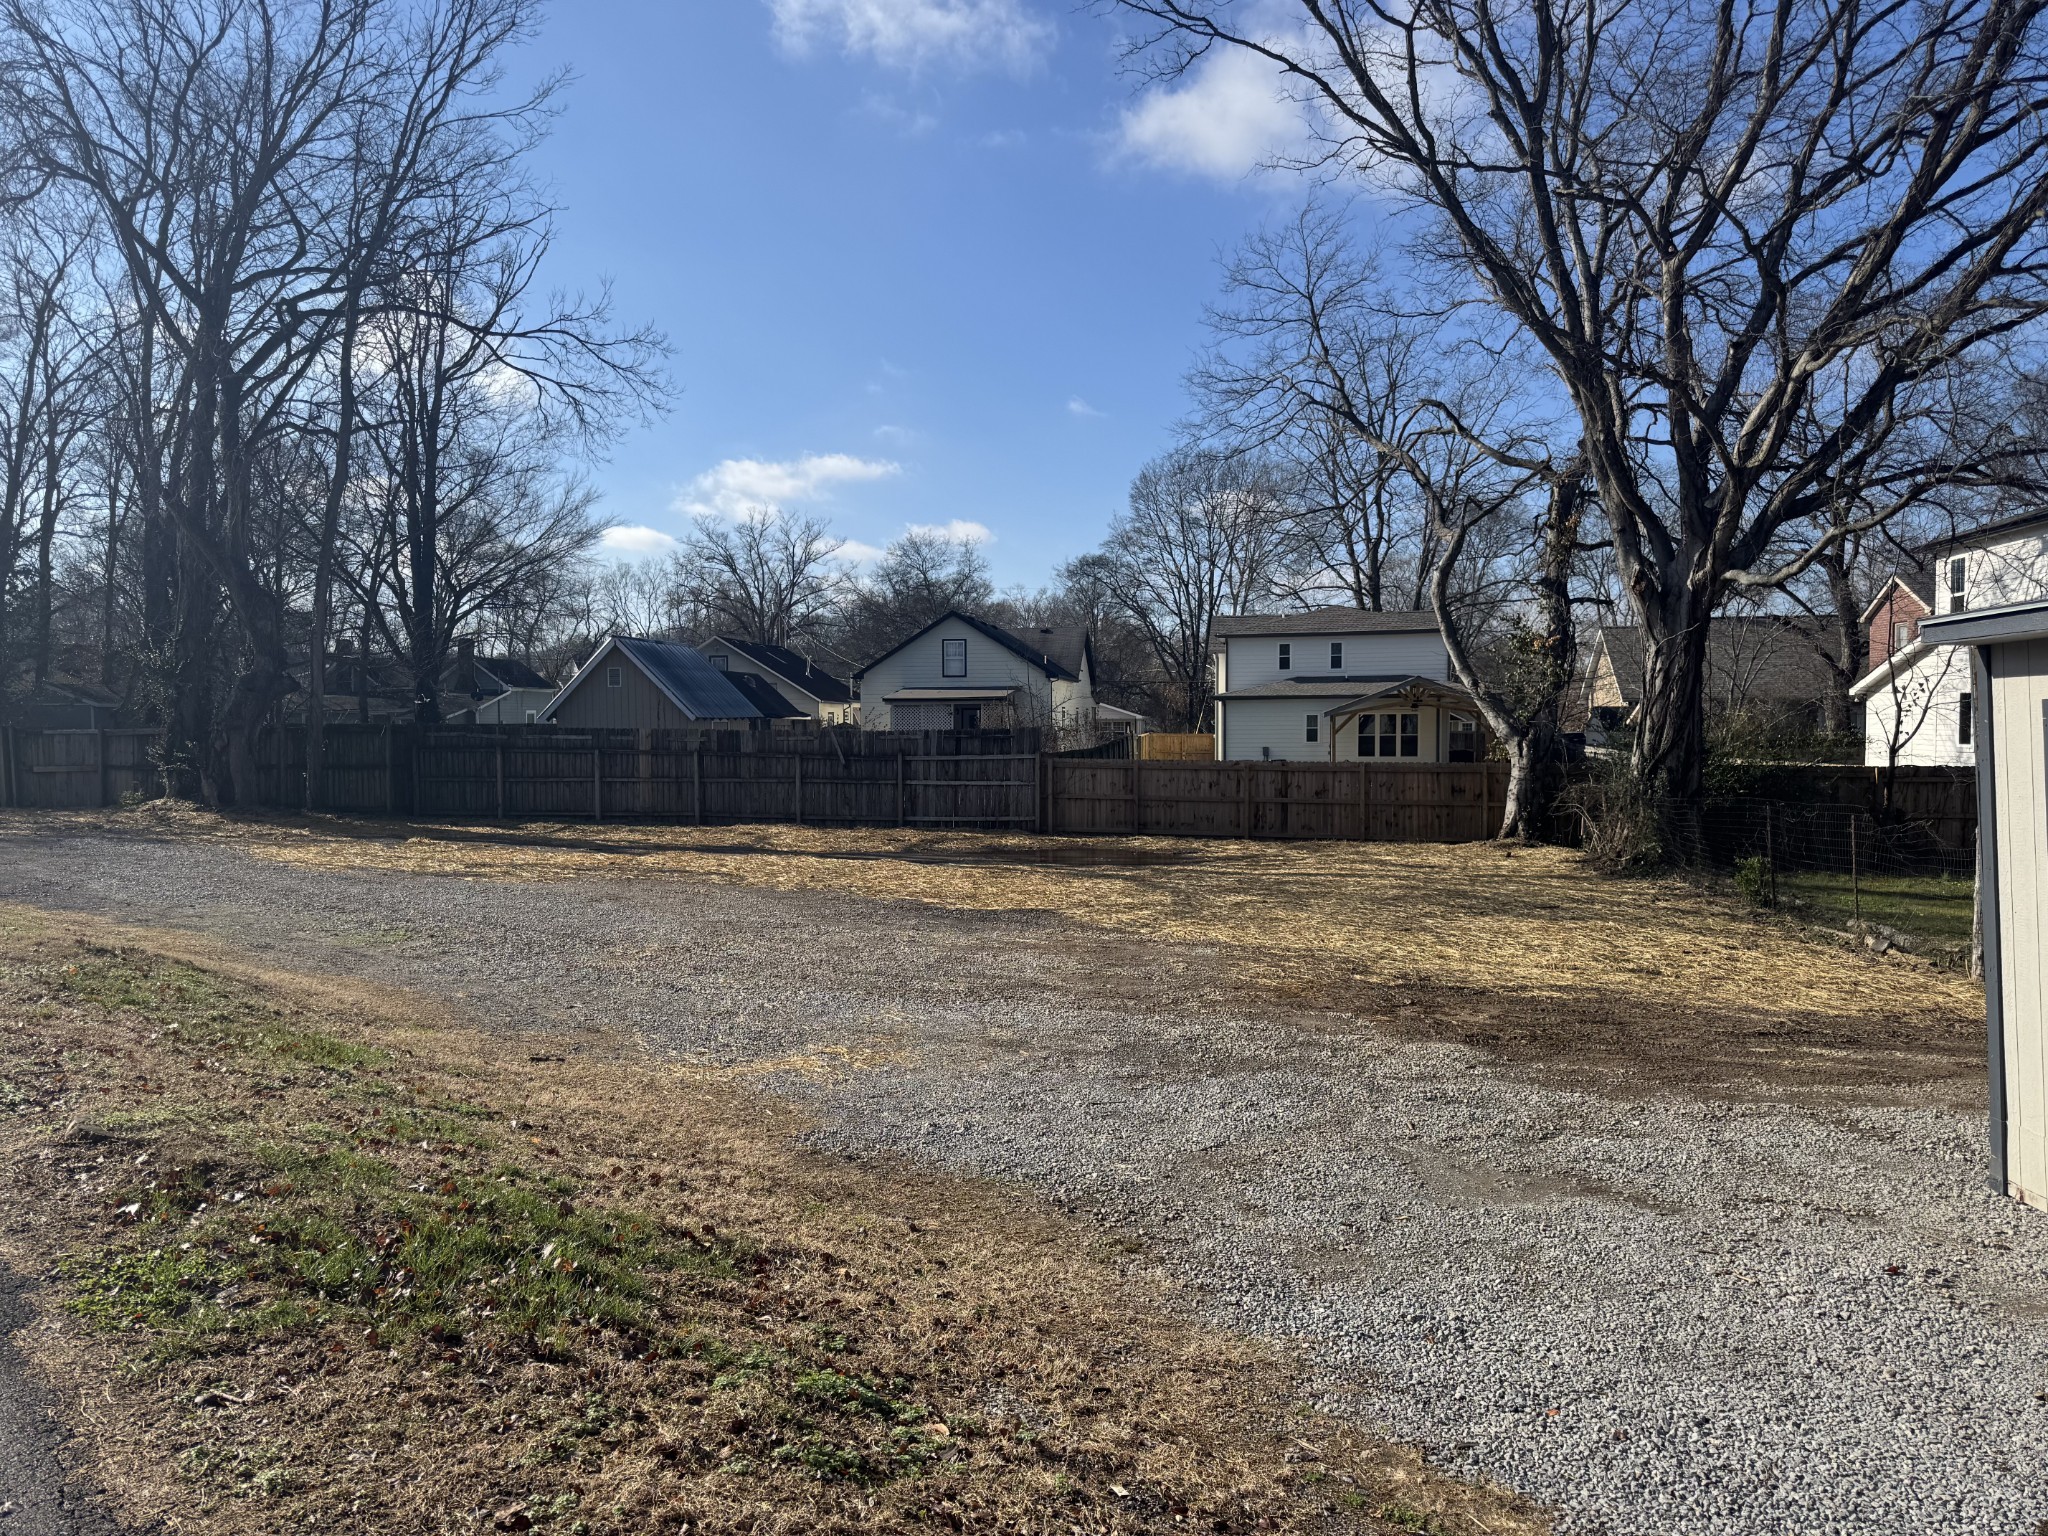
(823, 778)
(56, 770)
(540, 773)
(1414, 803)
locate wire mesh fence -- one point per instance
(1894, 882)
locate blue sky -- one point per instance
(921, 261)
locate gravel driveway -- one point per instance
(1660, 1312)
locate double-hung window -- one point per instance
(1411, 735)
(952, 658)
(1958, 583)
(1336, 655)
(1313, 729)
(1963, 721)
(1286, 657)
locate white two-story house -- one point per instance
(961, 673)
(1916, 697)
(1339, 685)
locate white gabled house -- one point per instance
(962, 673)
(1339, 685)
(1917, 696)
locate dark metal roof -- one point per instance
(509, 673)
(764, 696)
(692, 684)
(794, 668)
(1325, 621)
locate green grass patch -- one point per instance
(203, 1010)
(1929, 908)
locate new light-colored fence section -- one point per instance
(1177, 746)
(1425, 803)
(57, 770)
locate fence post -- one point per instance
(1364, 804)
(8, 797)
(100, 747)
(390, 771)
(597, 775)
(902, 809)
(501, 777)
(1244, 797)
(1045, 773)
(697, 783)
(1137, 800)
(798, 759)
(1855, 876)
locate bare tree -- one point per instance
(1200, 538)
(765, 575)
(919, 577)
(1746, 243)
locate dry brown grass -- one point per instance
(1026, 1380)
(1536, 923)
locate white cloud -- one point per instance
(637, 539)
(1225, 119)
(958, 531)
(853, 552)
(918, 34)
(739, 486)
(1076, 406)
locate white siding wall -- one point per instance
(1253, 659)
(921, 665)
(1920, 710)
(2013, 572)
(2019, 695)
(1277, 729)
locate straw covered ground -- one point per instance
(312, 1255)
(1532, 953)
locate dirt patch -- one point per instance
(323, 1258)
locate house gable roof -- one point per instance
(1057, 652)
(680, 672)
(799, 671)
(1918, 585)
(1989, 533)
(1775, 656)
(1326, 621)
(764, 696)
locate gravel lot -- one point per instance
(1661, 1311)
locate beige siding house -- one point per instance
(1339, 685)
(805, 682)
(2009, 662)
(963, 673)
(647, 685)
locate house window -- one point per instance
(1314, 728)
(1336, 655)
(1411, 735)
(1286, 657)
(1461, 744)
(1902, 635)
(953, 658)
(614, 677)
(1963, 721)
(722, 661)
(1958, 584)
(966, 717)
(532, 715)
(1368, 738)
(1389, 732)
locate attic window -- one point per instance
(1902, 634)
(1336, 655)
(721, 661)
(953, 658)
(1286, 656)
(614, 677)
(1958, 584)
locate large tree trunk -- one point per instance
(1671, 735)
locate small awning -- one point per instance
(947, 695)
(1988, 626)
